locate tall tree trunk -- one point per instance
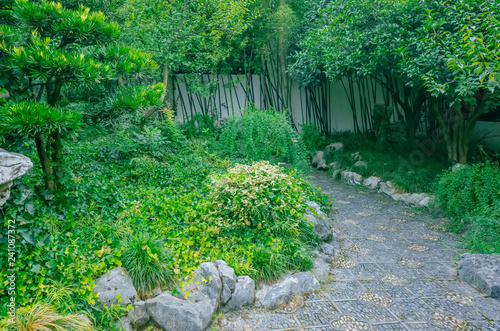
(45, 163)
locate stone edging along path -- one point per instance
(396, 270)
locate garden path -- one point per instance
(396, 271)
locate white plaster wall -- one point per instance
(491, 133)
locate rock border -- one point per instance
(214, 287)
(373, 182)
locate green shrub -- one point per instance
(313, 139)
(263, 135)
(469, 190)
(483, 233)
(199, 125)
(147, 260)
(470, 197)
(262, 204)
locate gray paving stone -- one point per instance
(426, 288)
(317, 313)
(339, 290)
(388, 326)
(440, 271)
(386, 289)
(404, 271)
(412, 310)
(453, 309)
(365, 311)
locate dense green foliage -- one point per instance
(470, 197)
(263, 134)
(117, 182)
(439, 55)
(122, 184)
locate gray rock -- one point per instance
(316, 208)
(5, 192)
(481, 271)
(139, 315)
(226, 294)
(171, 313)
(135, 318)
(321, 270)
(387, 188)
(209, 288)
(425, 201)
(284, 291)
(335, 242)
(356, 156)
(226, 273)
(115, 282)
(321, 224)
(244, 295)
(361, 164)
(413, 199)
(398, 196)
(335, 165)
(458, 166)
(351, 177)
(12, 165)
(335, 147)
(318, 161)
(323, 257)
(328, 249)
(371, 182)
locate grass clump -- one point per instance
(147, 261)
(44, 317)
(470, 197)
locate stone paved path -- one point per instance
(397, 271)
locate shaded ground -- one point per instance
(397, 271)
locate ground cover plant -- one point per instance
(470, 197)
(159, 213)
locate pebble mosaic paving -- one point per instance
(396, 271)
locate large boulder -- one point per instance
(351, 177)
(284, 291)
(387, 188)
(226, 274)
(171, 313)
(318, 161)
(371, 182)
(481, 271)
(206, 285)
(328, 249)
(136, 318)
(243, 295)
(12, 165)
(335, 147)
(321, 223)
(113, 283)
